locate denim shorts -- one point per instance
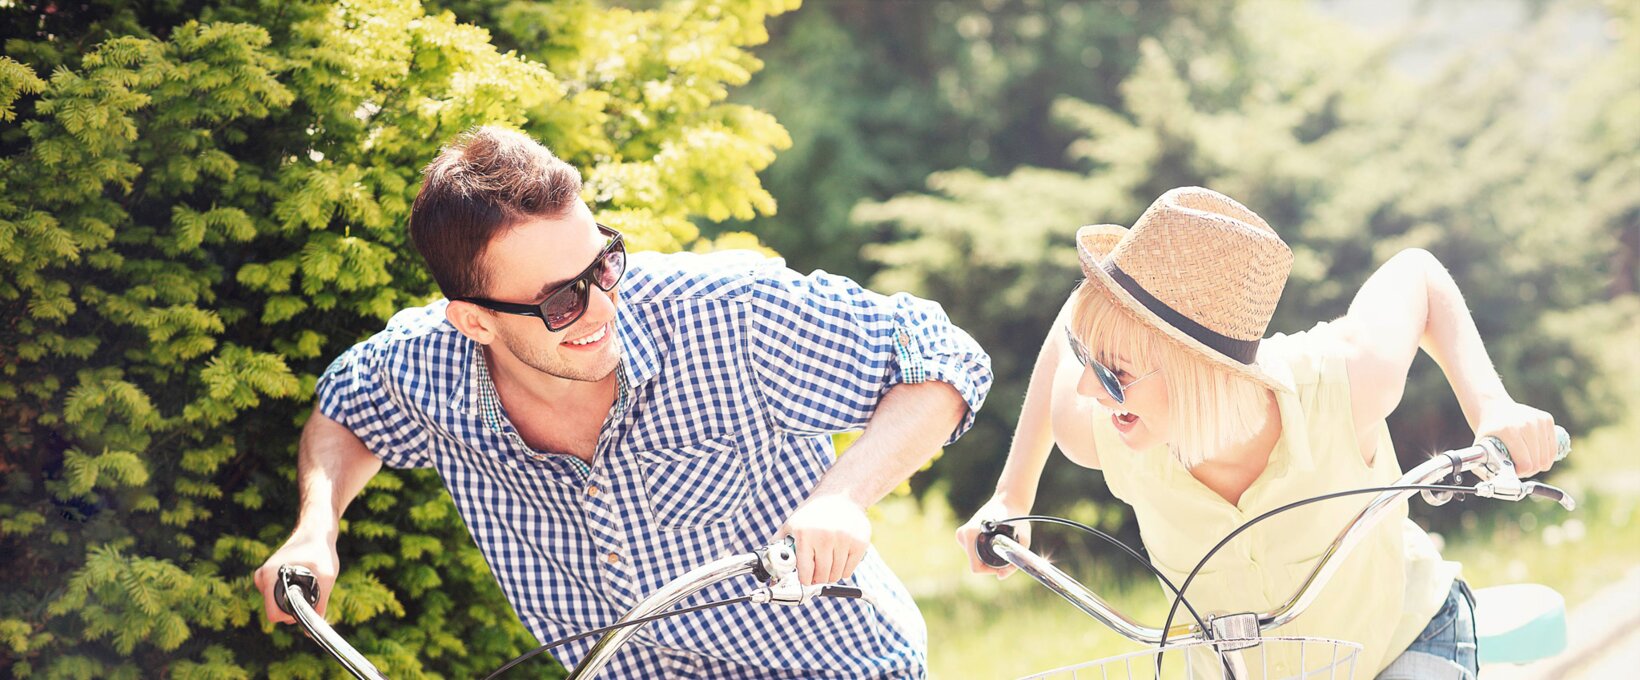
(1446, 648)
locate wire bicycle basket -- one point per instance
(1266, 658)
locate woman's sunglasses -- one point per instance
(1107, 377)
(567, 303)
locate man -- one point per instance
(603, 428)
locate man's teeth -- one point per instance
(1121, 414)
(592, 338)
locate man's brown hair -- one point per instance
(486, 181)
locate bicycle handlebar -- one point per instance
(296, 592)
(775, 565)
(668, 595)
(1488, 459)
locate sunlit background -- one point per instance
(202, 202)
(952, 148)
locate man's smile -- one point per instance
(592, 339)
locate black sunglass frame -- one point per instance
(586, 280)
(1107, 377)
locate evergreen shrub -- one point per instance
(201, 203)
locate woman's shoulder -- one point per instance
(1312, 356)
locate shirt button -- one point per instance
(592, 490)
(613, 558)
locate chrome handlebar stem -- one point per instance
(776, 563)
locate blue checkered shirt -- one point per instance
(735, 371)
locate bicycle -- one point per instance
(1225, 638)
(775, 565)
(1221, 643)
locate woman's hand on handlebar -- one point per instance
(994, 510)
(1527, 432)
(317, 552)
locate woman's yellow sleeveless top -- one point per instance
(1386, 590)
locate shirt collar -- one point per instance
(472, 370)
(1292, 451)
(640, 355)
(1295, 437)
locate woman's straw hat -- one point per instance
(1201, 269)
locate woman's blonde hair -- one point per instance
(1212, 408)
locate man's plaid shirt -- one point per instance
(735, 373)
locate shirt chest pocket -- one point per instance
(696, 486)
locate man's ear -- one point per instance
(473, 321)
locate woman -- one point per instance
(1155, 373)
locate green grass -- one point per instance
(979, 627)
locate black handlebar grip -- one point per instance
(849, 592)
(982, 543)
(291, 575)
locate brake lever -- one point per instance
(791, 593)
(785, 590)
(1500, 481)
(778, 563)
(1552, 493)
(1513, 489)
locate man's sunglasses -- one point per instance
(1107, 377)
(567, 303)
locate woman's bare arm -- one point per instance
(1032, 444)
(1412, 302)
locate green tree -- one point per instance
(200, 204)
(1349, 159)
(1600, 135)
(878, 95)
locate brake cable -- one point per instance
(597, 631)
(1141, 559)
(1295, 504)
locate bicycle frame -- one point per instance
(775, 565)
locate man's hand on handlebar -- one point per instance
(1528, 433)
(832, 533)
(317, 553)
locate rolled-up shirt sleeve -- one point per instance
(825, 350)
(351, 392)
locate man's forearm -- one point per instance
(331, 469)
(911, 423)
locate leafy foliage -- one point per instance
(200, 204)
(1351, 160)
(879, 95)
(201, 201)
